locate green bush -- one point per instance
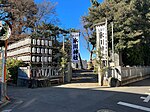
(12, 69)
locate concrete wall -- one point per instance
(130, 74)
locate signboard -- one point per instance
(75, 46)
(5, 30)
(24, 72)
(102, 40)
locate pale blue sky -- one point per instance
(69, 13)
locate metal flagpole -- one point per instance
(113, 57)
(63, 47)
(63, 43)
(107, 43)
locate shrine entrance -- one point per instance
(84, 76)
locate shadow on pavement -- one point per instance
(64, 99)
(145, 82)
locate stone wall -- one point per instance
(130, 74)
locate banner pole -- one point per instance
(107, 44)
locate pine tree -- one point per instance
(131, 20)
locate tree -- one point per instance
(100, 68)
(22, 17)
(131, 23)
(4, 15)
(26, 16)
(91, 42)
(56, 33)
(89, 31)
(12, 69)
(46, 12)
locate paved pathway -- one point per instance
(84, 76)
(81, 97)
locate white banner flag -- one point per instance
(102, 40)
(75, 46)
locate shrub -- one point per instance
(12, 69)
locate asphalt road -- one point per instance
(81, 97)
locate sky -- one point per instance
(69, 12)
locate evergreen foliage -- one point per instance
(12, 69)
(131, 20)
